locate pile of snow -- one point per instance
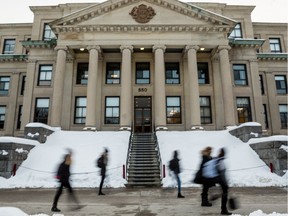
(244, 167)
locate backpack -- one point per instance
(172, 165)
(100, 162)
(210, 168)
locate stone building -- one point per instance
(143, 65)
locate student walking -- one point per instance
(102, 163)
(63, 175)
(214, 172)
(175, 167)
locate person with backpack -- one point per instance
(206, 156)
(63, 175)
(102, 163)
(175, 168)
(214, 172)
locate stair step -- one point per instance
(146, 184)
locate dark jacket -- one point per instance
(104, 160)
(198, 177)
(63, 173)
(174, 165)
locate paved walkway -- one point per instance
(143, 201)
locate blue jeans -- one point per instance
(178, 182)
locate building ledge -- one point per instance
(246, 42)
(272, 56)
(39, 43)
(12, 57)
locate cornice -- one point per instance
(246, 42)
(108, 6)
(13, 58)
(142, 28)
(272, 56)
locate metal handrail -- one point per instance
(159, 154)
(128, 153)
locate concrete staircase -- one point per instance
(144, 162)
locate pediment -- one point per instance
(141, 15)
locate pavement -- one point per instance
(143, 201)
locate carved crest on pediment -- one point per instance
(142, 13)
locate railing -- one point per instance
(127, 157)
(162, 167)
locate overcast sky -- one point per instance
(17, 11)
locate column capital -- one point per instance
(223, 47)
(162, 47)
(129, 47)
(194, 47)
(96, 47)
(65, 48)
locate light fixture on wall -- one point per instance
(142, 48)
(202, 48)
(82, 49)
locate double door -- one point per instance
(142, 114)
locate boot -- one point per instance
(225, 212)
(205, 201)
(55, 209)
(180, 195)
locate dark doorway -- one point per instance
(142, 114)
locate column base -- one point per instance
(197, 127)
(161, 128)
(90, 128)
(125, 128)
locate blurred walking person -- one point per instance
(102, 163)
(214, 172)
(63, 175)
(175, 168)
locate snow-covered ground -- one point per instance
(244, 167)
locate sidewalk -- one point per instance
(143, 201)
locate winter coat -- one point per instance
(198, 177)
(174, 165)
(63, 173)
(104, 160)
(221, 174)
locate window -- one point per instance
(237, 32)
(80, 110)
(275, 46)
(281, 84)
(173, 110)
(172, 73)
(203, 73)
(4, 85)
(41, 110)
(19, 117)
(265, 116)
(2, 116)
(113, 73)
(9, 46)
(240, 74)
(48, 33)
(82, 73)
(205, 110)
(261, 84)
(23, 85)
(143, 73)
(112, 110)
(243, 109)
(283, 109)
(45, 75)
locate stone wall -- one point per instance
(271, 153)
(247, 132)
(37, 133)
(11, 157)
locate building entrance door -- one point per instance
(142, 115)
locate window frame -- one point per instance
(237, 31)
(19, 116)
(283, 116)
(82, 109)
(173, 69)
(275, 47)
(40, 119)
(205, 72)
(82, 73)
(114, 119)
(113, 80)
(205, 119)
(2, 116)
(141, 77)
(170, 119)
(238, 73)
(261, 84)
(48, 31)
(282, 84)
(246, 116)
(9, 48)
(5, 84)
(46, 81)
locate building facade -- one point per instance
(143, 65)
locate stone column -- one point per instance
(195, 117)
(92, 85)
(126, 87)
(227, 90)
(256, 90)
(58, 85)
(28, 94)
(159, 86)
